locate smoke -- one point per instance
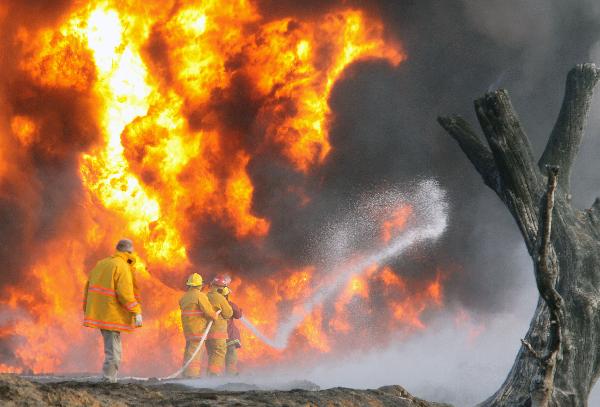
(452, 362)
(39, 180)
(459, 360)
(383, 128)
(383, 131)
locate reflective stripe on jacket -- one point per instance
(196, 312)
(219, 302)
(110, 301)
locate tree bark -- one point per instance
(559, 361)
(545, 277)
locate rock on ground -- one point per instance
(18, 391)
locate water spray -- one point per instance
(429, 200)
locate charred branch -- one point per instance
(533, 352)
(520, 178)
(545, 277)
(567, 134)
(476, 151)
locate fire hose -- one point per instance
(187, 362)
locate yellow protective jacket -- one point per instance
(196, 312)
(110, 300)
(219, 302)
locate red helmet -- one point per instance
(221, 280)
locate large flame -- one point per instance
(155, 73)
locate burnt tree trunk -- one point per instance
(559, 361)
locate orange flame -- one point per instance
(411, 308)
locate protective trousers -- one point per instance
(195, 367)
(217, 349)
(112, 354)
(231, 360)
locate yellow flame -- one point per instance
(123, 89)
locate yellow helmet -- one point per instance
(194, 280)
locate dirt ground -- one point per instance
(19, 391)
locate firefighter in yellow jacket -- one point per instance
(111, 304)
(196, 312)
(216, 343)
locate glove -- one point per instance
(138, 320)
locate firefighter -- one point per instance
(216, 342)
(233, 336)
(111, 304)
(196, 312)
